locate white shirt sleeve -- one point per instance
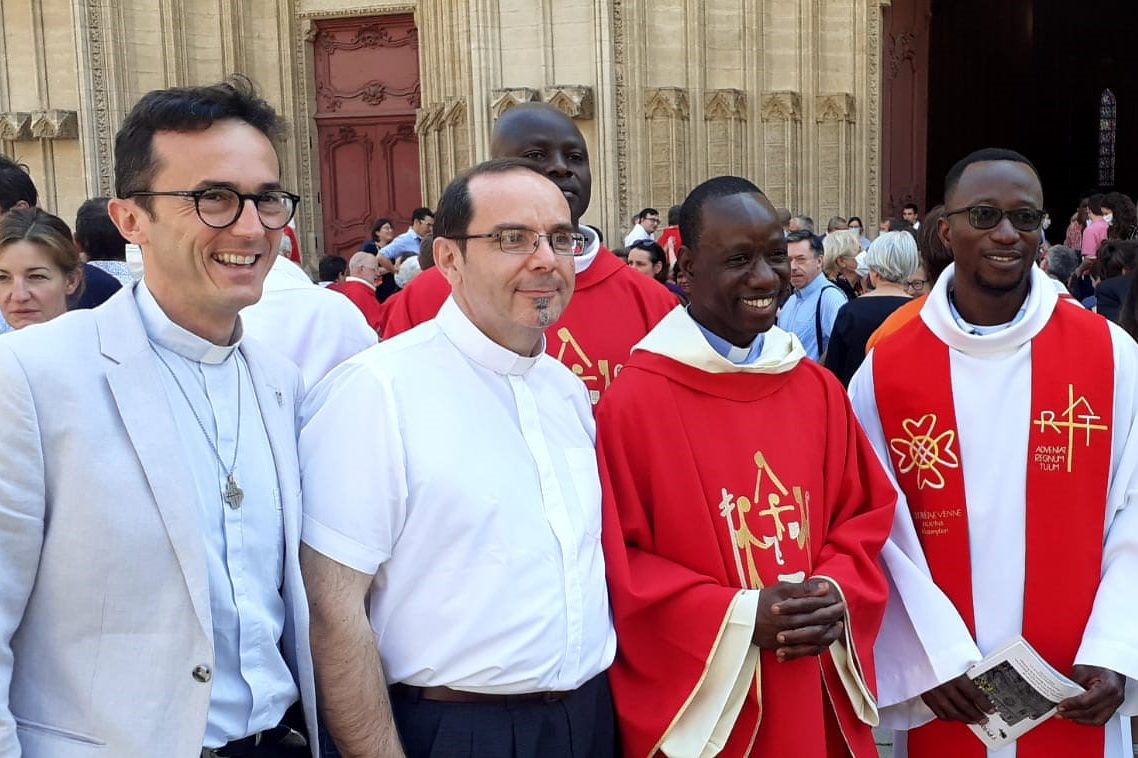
(1108, 640)
(352, 468)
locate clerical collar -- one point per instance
(162, 331)
(737, 355)
(983, 331)
(475, 345)
(1037, 309)
(592, 247)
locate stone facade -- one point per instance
(667, 93)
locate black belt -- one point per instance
(447, 695)
(248, 745)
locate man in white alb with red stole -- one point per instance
(1008, 420)
(744, 511)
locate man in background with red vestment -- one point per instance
(743, 515)
(612, 306)
(1008, 420)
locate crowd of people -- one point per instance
(742, 489)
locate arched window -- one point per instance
(1107, 130)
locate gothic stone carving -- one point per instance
(55, 124)
(666, 102)
(503, 100)
(835, 107)
(781, 106)
(16, 126)
(428, 118)
(574, 100)
(724, 105)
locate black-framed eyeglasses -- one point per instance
(525, 241)
(915, 284)
(984, 217)
(220, 207)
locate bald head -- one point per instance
(540, 133)
(363, 266)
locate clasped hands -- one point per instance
(960, 700)
(797, 620)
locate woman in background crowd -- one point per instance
(839, 261)
(1116, 264)
(382, 232)
(856, 226)
(892, 259)
(40, 270)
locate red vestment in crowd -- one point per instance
(364, 298)
(719, 480)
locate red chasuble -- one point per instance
(612, 308)
(716, 482)
(1069, 448)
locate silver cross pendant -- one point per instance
(233, 494)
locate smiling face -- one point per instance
(738, 268)
(199, 275)
(993, 266)
(550, 139)
(512, 298)
(385, 234)
(33, 289)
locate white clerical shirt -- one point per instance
(463, 476)
(923, 642)
(252, 686)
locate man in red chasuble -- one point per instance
(1009, 421)
(744, 511)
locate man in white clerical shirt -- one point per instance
(151, 601)
(1009, 422)
(456, 578)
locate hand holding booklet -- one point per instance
(1024, 688)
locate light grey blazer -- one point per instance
(104, 597)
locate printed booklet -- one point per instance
(1024, 688)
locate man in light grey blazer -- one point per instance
(151, 602)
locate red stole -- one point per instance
(1068, 466)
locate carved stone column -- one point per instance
(666, 110)
(781, 113)
(835, 115)
(724, 111)
(431, 169)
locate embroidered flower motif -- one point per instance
(924, 451)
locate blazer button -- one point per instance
(202, 673)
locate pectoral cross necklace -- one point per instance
(233, 494)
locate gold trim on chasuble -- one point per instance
(602, 373)
(743, 538)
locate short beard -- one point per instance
(544, 316)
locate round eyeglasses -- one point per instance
(220, 207)
(525, 241)
(984, 217)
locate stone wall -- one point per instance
(667, 93)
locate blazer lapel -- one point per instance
(145, 411)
